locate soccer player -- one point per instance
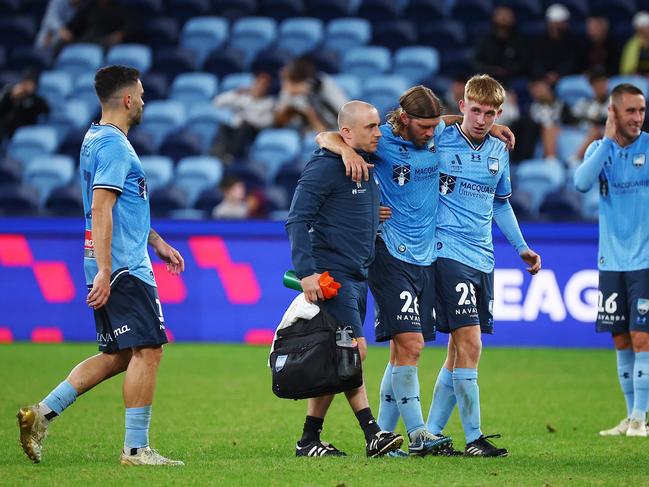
(474, 187)
(618, 163)
(331, 225)
(123, 294)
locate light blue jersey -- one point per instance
(623, 205)
(407, 176)
(470, 177)
(108, 161)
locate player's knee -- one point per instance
(640, 341)
(412, 351)
(150, 355)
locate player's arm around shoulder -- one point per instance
(355, 166)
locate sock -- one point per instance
(137, 427)
(465, 383)
(443, 402)
(388, 410)
(625, 361)
(405, 384)
(311, 431)
(56, 401)
(368, 423)
(640, 386)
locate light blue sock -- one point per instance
(405, 385)
(625, 362)
(640, 386)
(388, 409)
(61, 397)
(465, 383)
(137, 427)
(443, 402)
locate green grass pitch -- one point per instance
(214, 409)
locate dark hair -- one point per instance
(111, 79)
(627, 88)
(300, 69)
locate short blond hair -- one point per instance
(485, 90)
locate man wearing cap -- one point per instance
(635, 55)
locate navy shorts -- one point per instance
(464, 296)
(404, 296)
(623, 301)
(132, 317)
(350, 305)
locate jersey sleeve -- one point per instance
(504, 186)
(589, 170)
(112, 166)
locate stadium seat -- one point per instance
(73, 114)
(614, 10)
(253, 174)
(561, 206)
(225, 61)
(328, 10)
(208, 199)
(78, 59)
(65, 201)
(470, 10)
(142, 141)
(394, 34)
(418, 10)
(236, 81)
(204, 122)
(455, 61)
(446, 34)
(300, 34)
(10, 171)
(178, 145)
(523, 9)
(287, 178)
(590, 203)
(569, 141)
(521, 203)
(539, 177)
(71, 144)
(344, 34)
(18, 200)
(637, 80)
(384, 91)
(308, 146)
(379, 10)
(166, 200)
(17, 30)
(145, 8)
(31, 141)
(137, 56)
(274, 148)
(253, 34)
(47, 172)
(574, 87)
(281, 9)
(156, 86)
(367, 61)
(194, 88)
(325, 60)
(55, 87)
(23, 58)
(173, 61)
(203, 35)
(416, 63)
(159, 171)
(160, 32)
(84, 88)
(269, 60)
(234, 9)
(350, 84)
(195, 174)
(162, 117)
(184, 10)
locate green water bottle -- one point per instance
(291, 281)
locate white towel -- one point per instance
(299, 308)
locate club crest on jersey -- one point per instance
(446, 183)
(142, 188)
(643, 306)
(492, 164)
(638, 160)
(404, 152)
(401, 174)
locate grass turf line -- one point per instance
(214, 409)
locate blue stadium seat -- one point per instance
(287, 178)
(184, 10)
(160, 32)
(225, 61)
(173, 61)
(78, 59)
(416, 63)
(329, 9)
(456, 61)
(640, 81)
(300, 34)
(367, 61)
(569, 141)
(167, 200)
(590, 204)
(65, 201)
(17, 30)
(379, 10)
(253, 34)
(204, 121)
(446, 34)
(47, 172)
(177, 145)
(344, 34)
(269, 60)
(162, 117)
(383, 91)
(418, 10)
(23, 58)
(194, 88)
(523, 9)
(143, 141)
(281, 9)
(471, 10)
(350, 84)
(236, 81)
(394, 34)
(135, 55)
(208, 199)
(274, 148)
(308, 146)
(145, 8)
(10, 171)
(18, 201)
(561, 206)
(73, 114)
(55, 87)
(572, 88)
(253, 174)
(521, 203)
(539, 177)
(234, 9)
(156, 86)
(159, 171)
(195, 174)
(71, 144)
(325, 60)
(31, 141)
(203, 35)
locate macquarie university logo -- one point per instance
(446, 183)
(401, 174)
(493, 165)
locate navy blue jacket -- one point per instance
(333, 221)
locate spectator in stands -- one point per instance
(104, 22)
(600, 51)
(542, 122)
(308, 100)
(503, 52)
(454, 94)
(511, 112)
(20, 105)
(252, 111)
(57, 15)
(592, 112)
(635, 54)
(555, 54)
(234, 204)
